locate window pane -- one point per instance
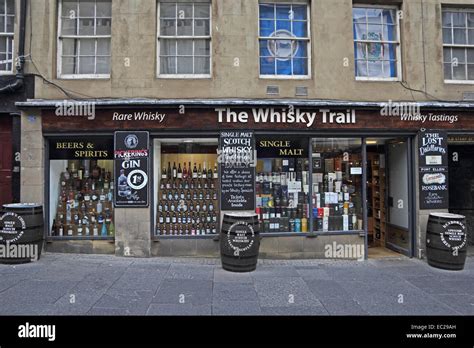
(459, 19)
(300, 29)
(185, 65)
(10, 23)
(360, 31)
(2, 7)
(202, 65)
(447, 36)
(284, 67)
(68, 26)
(167, 65)
(104, 8)
(283, 12)
(447, 71)
(470, 34)
(86, 26)
(185, 11)
(389, 17)
(358, 15)
(374, 16)
(267, 27)
(201, 11)
(267, 66)
(299, 12)
(390, 68)
(470, 55)
(69, 9)
(3, 44)
(10, 6)
(202, 47)
(459, 72)
(185, 27)
(375, 69)
(470, 71)
(185, 47)
(447, 19)
(103, 26)
(375, 32)
(267, 11)
(103, 47)
(470, 20)
(86, 65)
(447, 55)
(283, 25)
(2, 24)
(68, 65)
(69, 47)
(300, 66)
(167, 10)
(167, 47)
(460, 36)
(201, 27)
(168, 27)
(87, 47)
(86, 8)
(459, 55)
(103, 65)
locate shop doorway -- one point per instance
(6, 160)
(461, 179)
(388, 197)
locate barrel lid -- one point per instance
(241, 214)
(448, 215)
(22, 205)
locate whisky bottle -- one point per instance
(61, 229)
(95, 230)
(163, 174)
(175, 172)
(111, 229)
(195, 172)
(204, 171)
(167, 218)
(103, 232)
(185, 171)
(168, 173)
(209, 172)
(54, 228)
(180, 172)
(215, 170)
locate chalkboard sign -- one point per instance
(131, 169)
(433, 169)
(237, 170)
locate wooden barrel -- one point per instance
(446, 241)
(21, 232)
(240, 242)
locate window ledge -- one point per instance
(183, 76)
(377, 79)
(284, 77)
(459, 82)
(84, 77)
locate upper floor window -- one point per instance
(458, 45)
(184, 39)
(84, 38)
(7, 19)
(376, 43)
(284, 40)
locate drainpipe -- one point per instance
(13, 87)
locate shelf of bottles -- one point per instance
(336, 196)
(188, 200)
(85, 204)
(282, 196)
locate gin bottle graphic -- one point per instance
(123, 188)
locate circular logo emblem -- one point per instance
(137, 179)
(12, 227)
(283, 49)
(131, 141)
(454, 236)
(240, 237)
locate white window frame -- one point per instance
(176, 37)
(308, 39)
(398, 43)
(12, 35)
(462, 10)
(60, 48)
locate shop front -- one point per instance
(327, 181)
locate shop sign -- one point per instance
(90, 147)
(282, 147)
(131, 158)
(433, 169)
(237, 162)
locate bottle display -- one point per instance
(337, 186)
(188, 198)
(283, 195)
(85, 202)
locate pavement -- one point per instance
(73, 284)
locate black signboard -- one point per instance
(81, 147)
(237, 170)
(131, 169)
(433, 169)
(282, 146)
